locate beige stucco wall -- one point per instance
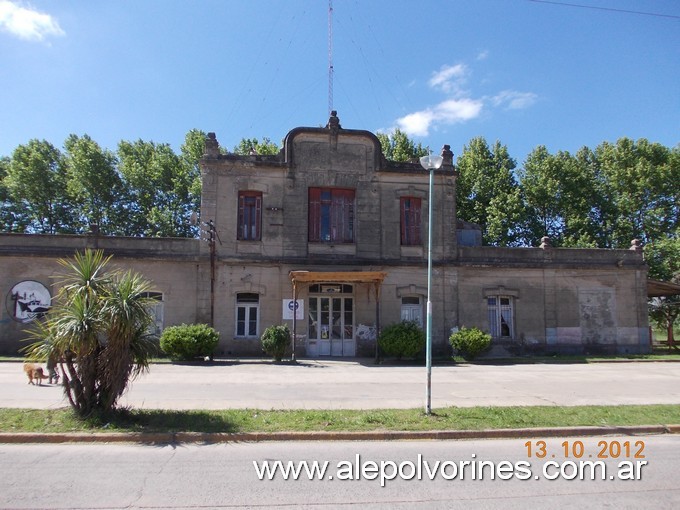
(172, 265)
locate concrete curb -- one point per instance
(226, 437)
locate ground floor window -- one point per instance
(247, 313)
(412, 309)
(501, 323)
(156, 310)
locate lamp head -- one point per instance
(431, 162)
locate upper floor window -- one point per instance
(331, 215)
(410, 208)
(249, 216)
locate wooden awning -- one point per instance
(375, 278)
(656, 288)
(337, 276)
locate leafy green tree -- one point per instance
(642, 183)
(12, 217)
(397, 146)
(95, 185)
(487, 189)
(541, 183)
(561, 192)
(589, 212)
(35, 182)
(191, 153)
(507, 220)
(97, 329)
(162, 186)
(251, 146)
(663, 258)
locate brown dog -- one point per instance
(34, 373)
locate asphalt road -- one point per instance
(96, 476)
(330, 384)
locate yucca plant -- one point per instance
(97, 328)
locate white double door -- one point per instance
(331, 326)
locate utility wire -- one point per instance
(606, 9)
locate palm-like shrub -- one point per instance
(97, 329)
(189, 341)
(275, 341)
(404, 339)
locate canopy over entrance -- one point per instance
(374, 278)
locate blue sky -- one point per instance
(524, 72)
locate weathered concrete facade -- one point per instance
(353, 228)
(173, 265)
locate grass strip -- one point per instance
(256, 420)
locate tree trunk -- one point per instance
(669, 333)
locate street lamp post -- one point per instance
(430, 163)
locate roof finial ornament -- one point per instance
(212, 147)
(333, 122)
(334, 128)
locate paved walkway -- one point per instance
(359, 384)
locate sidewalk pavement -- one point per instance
(360, 384)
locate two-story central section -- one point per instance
(330, 223)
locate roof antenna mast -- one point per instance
(330, 56)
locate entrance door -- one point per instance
(331, 326)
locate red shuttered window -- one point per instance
(410, 208)
(249, 216)
(331, 215)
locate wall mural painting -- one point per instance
(27, 301)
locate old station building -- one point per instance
(331, 238)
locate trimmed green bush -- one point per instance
(470, 342)
(189, 341)
(402, 340)
(275, 341)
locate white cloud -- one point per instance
(458, 110)
(483, 55)
(27, 23)
(416, 124)
(460, 105)
(449, 78)
(514, 100)
(451, 111)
